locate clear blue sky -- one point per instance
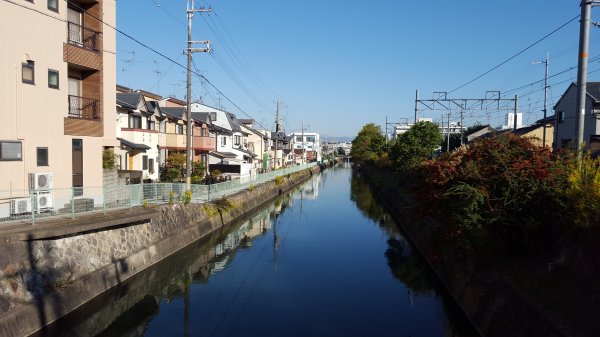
(338, 65)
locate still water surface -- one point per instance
(325, 260)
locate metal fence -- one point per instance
(32, 205)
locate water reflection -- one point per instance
(406, 264)
(307, 265)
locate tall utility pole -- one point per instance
(545, 99)
(515, 112)
(462, 127)
(188, 139)
(584, 36)
(448, 137)
(416, 106)
(302, 161)
(277, 103)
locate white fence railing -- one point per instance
(31, 205)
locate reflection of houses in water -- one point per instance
(243, 235)
(310, 190)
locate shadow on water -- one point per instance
(128, 308)
(406, 263)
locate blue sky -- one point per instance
(338, 65)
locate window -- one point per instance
(223, 140)
(144, 162)
(299, 138)
(237, 140)
(213, 116)
(163, 126)
(179, 129)
(204, 132)
(28, 72)
(52, 78)
(135, 122)
(310, 139)
(561, 116)
(11, 150)
(42, 156)
(149, 123)
(151, 165)
(53, 5)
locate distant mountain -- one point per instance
(332, 139)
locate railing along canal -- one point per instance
(32, 205)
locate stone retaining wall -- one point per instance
(493, 305)
(53, 276)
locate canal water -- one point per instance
(324, 260)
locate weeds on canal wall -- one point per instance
(186, 197)
(279, 180)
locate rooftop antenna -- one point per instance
(158, 74)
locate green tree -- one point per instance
(414, 146)
(341, 152)
(368, 145)
(454, 142)
(174, 166)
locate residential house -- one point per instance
(138, 134)
(58, 70)
(536, 133)
(565, 114)
(477, 131)
(256, 142)
(203, 141)
(229, 157)
(175, 129)
(306, 147)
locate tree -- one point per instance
(368, 145)
(454, 142)
(173, 170)
(340, 151)
(414, 146)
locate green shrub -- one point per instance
(278, 180)
(504, 188)
(251, 188)
(186, 197)
(109, 159)
(583, 193)
(171, 197)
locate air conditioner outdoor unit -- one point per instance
(20, 206)
(40, 181)
(43, 201)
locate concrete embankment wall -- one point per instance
(43, 279)
(493, 306)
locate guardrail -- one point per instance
(33, 205)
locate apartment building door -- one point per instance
(77, 164)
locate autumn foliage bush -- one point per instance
(504, 188)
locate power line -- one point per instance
(515, 55)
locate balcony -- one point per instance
(176, 141)
(82, 37)
(204, 143)
(84, 108)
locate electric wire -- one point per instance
(515, 55)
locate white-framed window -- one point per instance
(11, 150)
(28, 72)
(237, 140)
(224, 140)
